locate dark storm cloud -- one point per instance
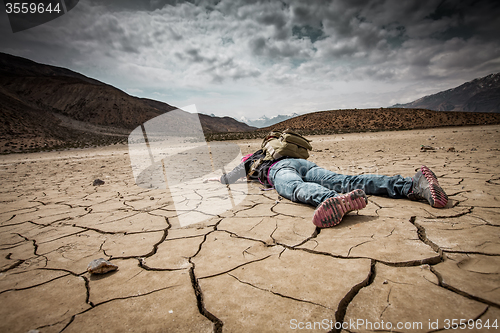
(348, 27)
(344, 19)
(410, 35)
(263, 44)
(230, 70)
(278, 21)
(137, 5)
(469, 18)
(110, 32)
(194, 55)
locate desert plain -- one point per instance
(261, 266)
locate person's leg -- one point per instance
(332, 210)
(287, 177)
(423, 186)
(392, 186)
(426, 187)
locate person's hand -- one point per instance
(213, 179)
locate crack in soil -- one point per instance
(35, 285)
(12, 266)
(199, 299)
(469, 211)
(115, 299)
(472, 252)
(234, 268)
(460, 292)
(142, 265)
(278, 294)
(423, 237)
(347, 299)
(150, 253)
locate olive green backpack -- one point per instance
(287, 143)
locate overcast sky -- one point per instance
(250, 58)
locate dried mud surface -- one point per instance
(262, 266)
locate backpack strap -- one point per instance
(254, 167)
(274, 154)
(270, 136)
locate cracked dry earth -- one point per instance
(262, 266)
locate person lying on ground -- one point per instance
(333, 194)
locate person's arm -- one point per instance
(230, 177)
(235, 174)
(240, 171)
(214, 179)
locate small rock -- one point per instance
(451, 149)
(98, 182)
(426, 148)
(385, 282)
(152, 198)
(101, 266)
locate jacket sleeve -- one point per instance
(242, 169)
(238, 172)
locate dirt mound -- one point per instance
(381, 119)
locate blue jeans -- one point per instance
(303, 181)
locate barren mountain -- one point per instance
(479, 95)
(364, 120)
(43, 105)
(382, 119)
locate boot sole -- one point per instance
(438, 198)
(332, 210)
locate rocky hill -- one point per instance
(382, 119)
(479, 95)
(364, 120)
(47, 106)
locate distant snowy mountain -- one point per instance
(265, 121)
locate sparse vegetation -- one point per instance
(367, 120)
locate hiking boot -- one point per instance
(332, 210)
(425, 186)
